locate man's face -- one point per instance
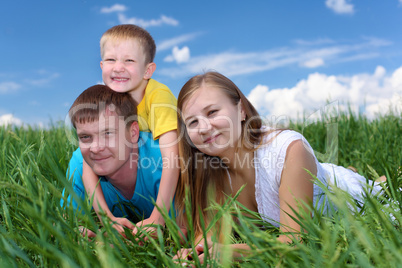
(106, 144)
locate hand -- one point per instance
(120, 223)
(149, 225)
(185, 257)
(86, 232)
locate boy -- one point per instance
(113, 147)
(127, 65)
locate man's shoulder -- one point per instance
(147, 143)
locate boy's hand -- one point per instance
(121, 223)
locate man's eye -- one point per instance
(84, 138)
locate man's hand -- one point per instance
(149, 225)
(120, 223)
(86, 232)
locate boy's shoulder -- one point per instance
(155, 85)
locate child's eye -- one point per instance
(130, 60)
(110, 60)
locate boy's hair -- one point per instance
(98, 99)
(126, 32)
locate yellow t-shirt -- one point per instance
(157, 110)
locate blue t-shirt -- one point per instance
(149, 174)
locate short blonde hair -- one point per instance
(124, 32)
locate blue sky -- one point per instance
(287, 56)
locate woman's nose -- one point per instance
(204, 125)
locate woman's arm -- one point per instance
(296, 188)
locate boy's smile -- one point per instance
(124, 68)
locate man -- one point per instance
(128, 161)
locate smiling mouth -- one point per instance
(100, 159)
(118, 79)
(211, 139)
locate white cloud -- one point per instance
(43, 81)
(236, 63)
(373, 94)
(179, 55)
(340, 6)
(9, 119)
(319, 41)
(114, 8)
(168, 44)
(6, 87)
(147, 23)
(313, 63)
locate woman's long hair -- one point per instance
(199, 172)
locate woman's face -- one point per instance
(212, 121)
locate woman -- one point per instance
(219, 125)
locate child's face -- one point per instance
(106, 144)
(123, 66)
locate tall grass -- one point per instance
(35, 231)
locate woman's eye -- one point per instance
(212, 112)
(192, 123)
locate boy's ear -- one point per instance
(149, 70)
(134, 132)
(101, 65)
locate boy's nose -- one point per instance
(118, 66)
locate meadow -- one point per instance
(35, 231)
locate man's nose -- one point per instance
(97, 145)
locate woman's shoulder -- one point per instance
(275, 138)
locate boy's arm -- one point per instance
(94, 190)
(170, 175)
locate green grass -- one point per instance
(36, 232)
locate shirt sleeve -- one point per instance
(162, 112)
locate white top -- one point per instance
(269, 160)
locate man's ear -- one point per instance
(134, 132)
(149, 70)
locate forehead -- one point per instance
(202, 98)
(131, 44)
(109, 120)
(126, 46)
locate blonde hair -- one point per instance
(198, 173)
(126, 32)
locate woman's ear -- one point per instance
(242, 111)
